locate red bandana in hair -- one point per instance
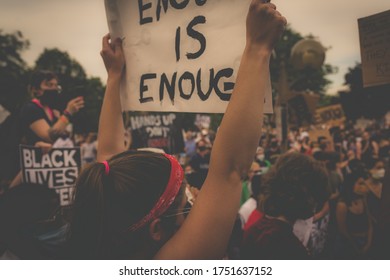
(167, 198)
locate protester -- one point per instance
(369, 149)
(375, 185)
(64, 141)
(273, 151)
(384, 220)
(130, 204)
(353, 219)
(247, 185)
(25, 212)
(292, 190)
(200, 162)
(41, 120)
(260, 159)
(249, 210)
(190, 144)
(89, 149)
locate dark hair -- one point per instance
(106, 206)
(39, 76)
(357, 166)
(294, 187)
(374, 162)
(347, 193)
(256, 185)
(195, 179)
(332, 159)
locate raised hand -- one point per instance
(264, 25)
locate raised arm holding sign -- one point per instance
(132, 205)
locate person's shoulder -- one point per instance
(30, 112)
(195, 158)
(30, 108)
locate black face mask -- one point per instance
(202, 148)
(51, 98)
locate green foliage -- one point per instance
(299, 80)
(354, 78)
(70, 72)
(360, 101)
(13, 70)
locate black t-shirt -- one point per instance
(30, 113)
(200, 165)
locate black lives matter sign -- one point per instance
(57, 169)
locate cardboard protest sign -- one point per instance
(57, 169)
(331, 115)
(181, 56)
(374, 33)
(362, 123)
(157, 130)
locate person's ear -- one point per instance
(155, 230)
(36, 91)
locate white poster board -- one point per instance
(58, 169)
(181, 56)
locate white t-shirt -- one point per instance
(247, 208)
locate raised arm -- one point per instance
(111, 129)
(50, 134)
(206, 231)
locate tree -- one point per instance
(69, 71)
(13, 70)
(13, 93)
(360, 101)
(299, 80)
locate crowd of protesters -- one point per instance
(238, 193)
(350, 160)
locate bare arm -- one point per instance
(319, 215)
(47, 133)
(50, 134)
(206, 231)
(358, 150)
(370, 230)
(375, 148)
(111, 136)
(341, 217)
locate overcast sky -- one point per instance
(76, 26)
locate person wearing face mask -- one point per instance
(353, 218)
(201, 160)
(375, 184)
(41, 121)
(41, 118)
(260, 159)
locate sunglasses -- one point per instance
(184, 212)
